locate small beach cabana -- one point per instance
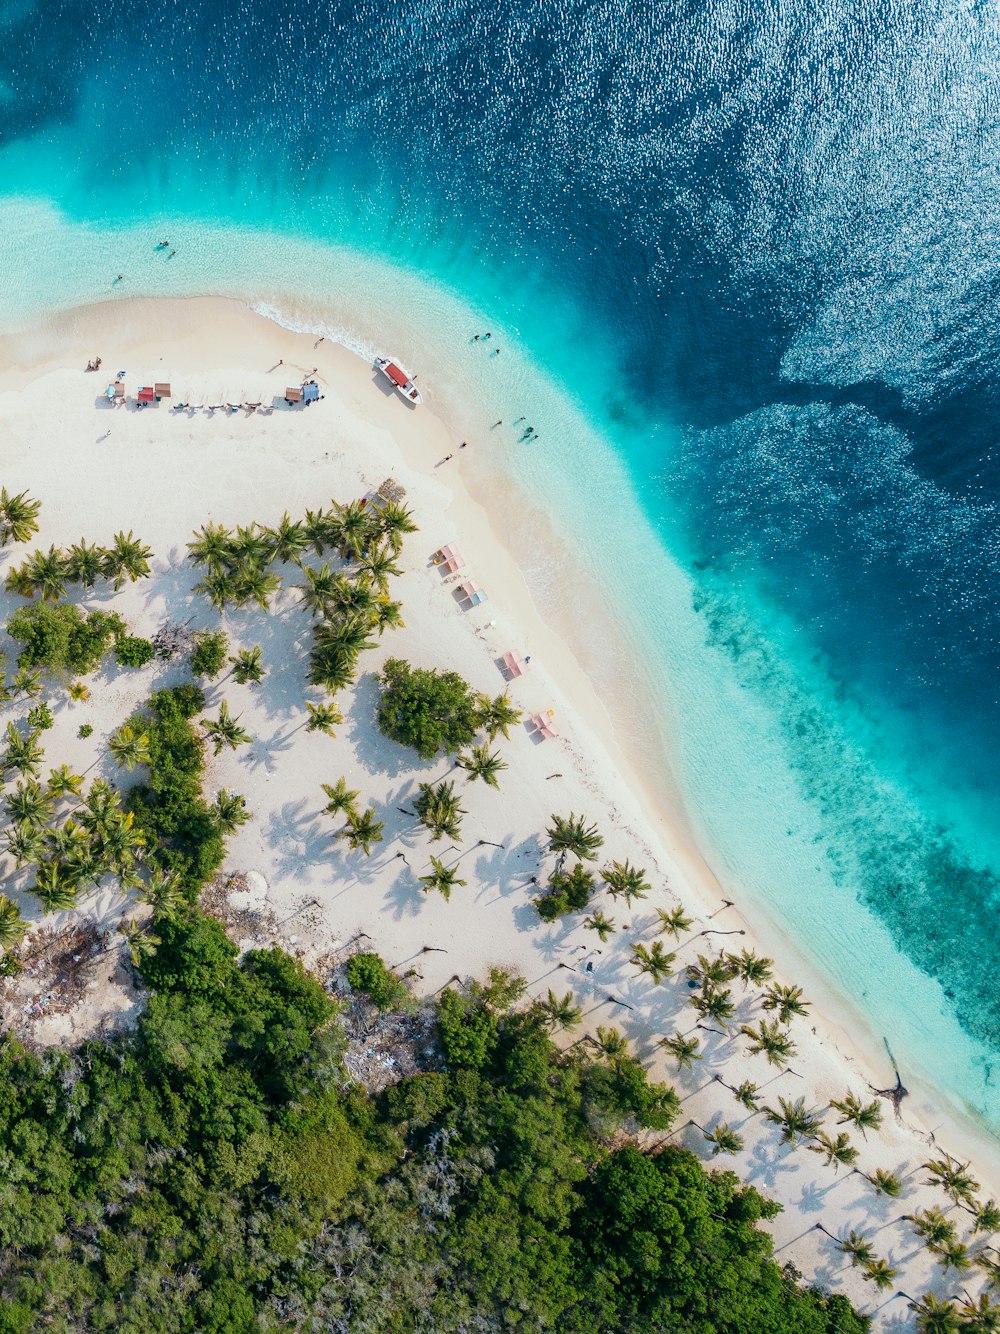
(389, 491)
(544, 726)
(450, 557)
(471, 593)
(293, 395)
(161, 390)
(146, 394)
(514, 664)
(310, 392)
(119, 392)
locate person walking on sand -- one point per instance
(499, 423)
(464, 444)
(447, 457)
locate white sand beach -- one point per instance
(162, 472)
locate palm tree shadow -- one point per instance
(298, 840)
(404, 897)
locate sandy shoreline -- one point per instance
(162, 472)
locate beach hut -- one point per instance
(450, 557)
(161, 390)
(389, 491)
(146, 394)
(514, 664)
(310, 392)
(293, 395)
(119, 392)
(544, 726)
(471, 593)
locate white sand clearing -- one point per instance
(163, 472)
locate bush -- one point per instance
(210, 650)
(131, 651)
(40, 717)
(61, 638)
(367, 973)
(565, 893)
(430, 711)
(85, 730)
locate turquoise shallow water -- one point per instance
(742, 269)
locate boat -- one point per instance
(399, 378)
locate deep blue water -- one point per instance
(768, 237)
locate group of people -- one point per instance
(485, 338)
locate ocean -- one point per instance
(741, 264)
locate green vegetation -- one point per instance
(47, 573)
(208, 657)
(18, 516)
(181, 829)
(62, 639)
(131, 651)
(368, 974)
(430, 711)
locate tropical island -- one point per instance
(349, 981)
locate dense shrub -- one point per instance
(430, 711)
(131, 651)
(211, 648)
(59, 637)
(367, 973)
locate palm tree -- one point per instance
(24, 753)
(126, 558)
(342, 798)
(858, 1247)
(442, 878)
(252, 582)
(439, 809)
(980, 1315)
(46, 574)
(751, 968)
(787, 1001)
(210, 546)
(12, 926)
(604, 926)
(747, 1094)
(64, 783)
(723, 1139)
(561, 1011)
(25, 843)
(247, 666)
(349, 635)
(986, 1217)
(866, 1116)
(249, 545)
(392, 522)
(793, 1118)
(653, 961)
(26, 682)
(935, 1316)
(388, 615)
(53, 886)
(287, 540)
(119, 845)
(770, 1040)
(714, 1003)
(226, 731)
(319, 588)
(574, 835)
(18, 516)
(953, 1177)
(362, 830)
(482, 763)
(685, 1050)
(163, 894)
(314, 528)
(835, 1150)
(78, 690)
(230, 810)
(673, 921)
(130, 746)
(716, 971)
(933, 1225)
(331, 667)
(622, 878)
(219, 587)
(879, 1272)
(84, 563)
(28, 804)
(323, 717)
(497, 716)
(953, 1255)
(380, 566)
(140, 940)
(612, 1044)
(886, 1183)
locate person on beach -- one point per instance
(496, 351)
(463, 445)
(447, 457)
(499, 423)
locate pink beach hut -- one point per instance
(514, 664)
(450, 557)
(544, 726)
(471, 593)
